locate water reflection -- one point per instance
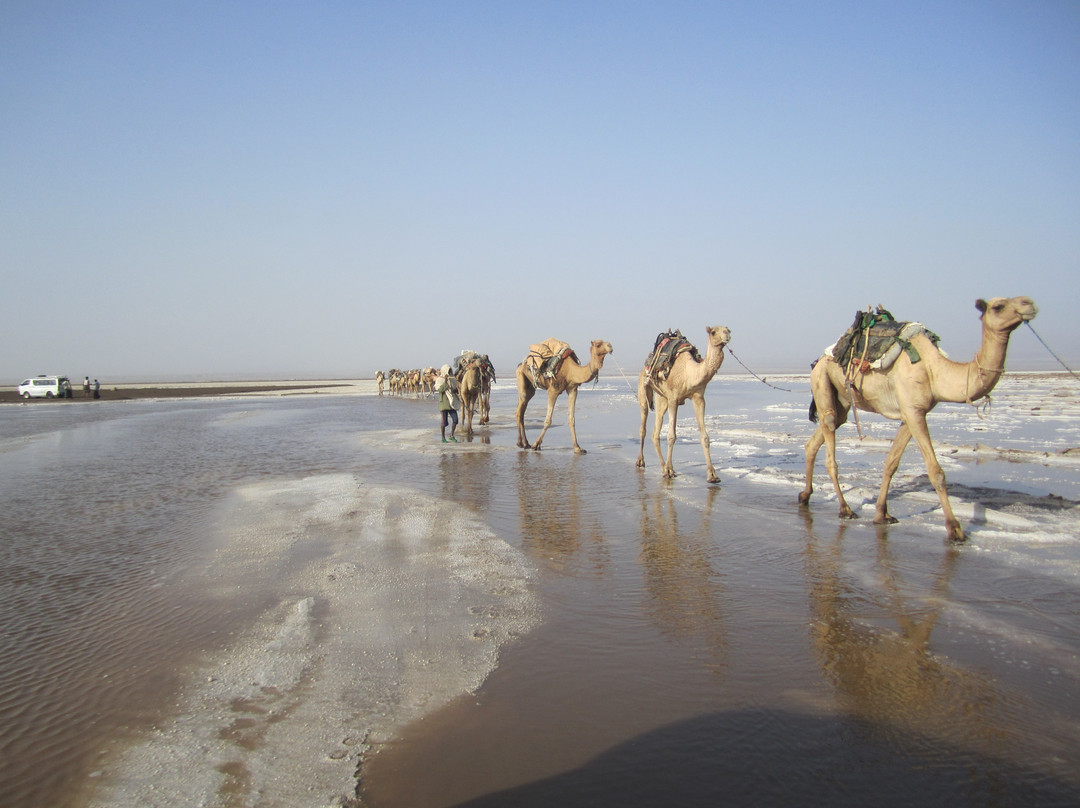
(466, 478)
(560, 527)
(684, 590)
(872, 641)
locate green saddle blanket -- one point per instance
(875, 339)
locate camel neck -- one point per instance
(988, 366)
(714, 358)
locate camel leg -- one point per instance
(571, 404)
(467, 411)
(658, 427)
(919, 431)
(834, 472)
(644, 400)
(812, 447)
(673, 414)
(892, 463)
(525, 393)
(552, 395)
(699, 410)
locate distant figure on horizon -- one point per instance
(97, 389)
(86, 387)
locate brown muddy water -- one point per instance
(313, 602)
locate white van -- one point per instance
(46, 387)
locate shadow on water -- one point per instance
(762, 757)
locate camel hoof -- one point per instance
(713, 481)
(804, 498)
(579, 450)
(640, 463)
(848, 514)
(955, 536)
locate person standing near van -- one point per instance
(97, 389)
(447, 402)
(86, 387)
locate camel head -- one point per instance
(719, 335)
(600, 349)
(1005, 314)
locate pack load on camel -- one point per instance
(545, 358)
(874, 342)
(462, 360)
(668, 345)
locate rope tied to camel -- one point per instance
(1051, 352)
(981, 409)
(761, 379)
(858, 366)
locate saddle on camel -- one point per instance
(875, 340)
(545, 358)
(668, 345)
(461, 362)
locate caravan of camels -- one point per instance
(879, 365)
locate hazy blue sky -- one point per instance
(206, 190)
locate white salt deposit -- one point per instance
(401, 607)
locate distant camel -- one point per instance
(470, 385)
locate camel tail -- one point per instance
(813, 411)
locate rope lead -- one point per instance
(1058, 358)
(763, 381)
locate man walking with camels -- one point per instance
(447, 402)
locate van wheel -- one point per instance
(26, 396)
(49, 394)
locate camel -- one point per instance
(380, 379)
(906, 392)
(470, 383)
(487, 378)
(686, 379)
(569, 376)
(427, 382)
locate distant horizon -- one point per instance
(504, 378)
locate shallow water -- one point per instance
(240, 601)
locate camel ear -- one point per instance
(980, 304)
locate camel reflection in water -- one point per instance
(560, 528)
(890, 677)
(684, 589)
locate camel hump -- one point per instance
(545, 357)
(543, 351)
(549, 347)
(668, 345)
(875, 339)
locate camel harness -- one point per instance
(668, 345)
(545, 359)
(874, 342)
